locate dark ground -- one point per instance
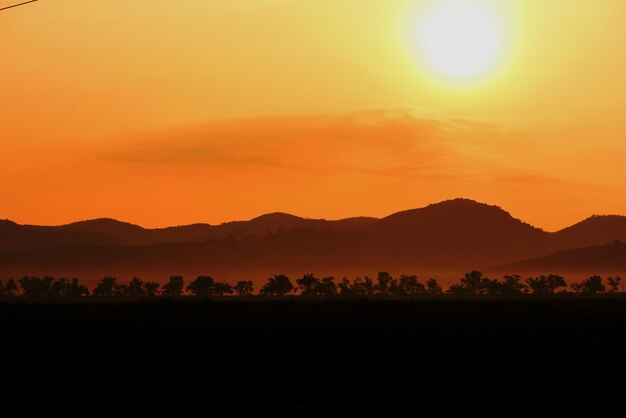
(314, 359)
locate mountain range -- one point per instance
(442, 239)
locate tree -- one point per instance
(75, 289)
(33, 286)
(590, 286)
(458, 290)
(327, 287)
(244, 288)
(411, 286)
(8, 289)
(363, 286)
(614, 284)
(433, 288)
(174, 287)
(384, 280)
(346, 288)
(151, 288)
(474, 282)
(135, 288)
(221, 289)
(121, 290)
(202, 286)
(492, 287)
(513, 285)
(545, 285)
(60, 287)
(308, 285)
(107, 287)
(279, 285)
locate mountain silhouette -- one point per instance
(14, 236)
(443, 238)
(599, 259)
(596, 230)
(256, 228)
(463, 229)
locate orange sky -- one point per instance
(161, 112)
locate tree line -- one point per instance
(471, 284)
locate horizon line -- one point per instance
(308, 218)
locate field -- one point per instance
(440, 357)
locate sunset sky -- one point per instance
(172, 112)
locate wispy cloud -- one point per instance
(397, 142)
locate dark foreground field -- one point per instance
(314, 359)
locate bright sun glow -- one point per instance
(461, 39)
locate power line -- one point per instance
(19, 4)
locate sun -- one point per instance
(461, 40)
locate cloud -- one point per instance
(397, 142)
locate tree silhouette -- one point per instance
(345, 288)
(327, 287)
(474, 282)
(545, 285)
(8, 289)
(121, 290)
(363, 286)
(513, 285)
(59, 287)
(279, 285)
(411, 286)
(33, 286)
(384, 280)
(458, 290)
(308, 285)
(151, 288)
(491, 287)
(135, 288)
(75, 289)
(107, 287)
(590, 286)
(202, 286)
(433, 288)
(244, 288)
(614, 284)
(221, 289)
(174, 287)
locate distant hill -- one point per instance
(446, 237)
(599, 259)
(129, 234)
(595, 230)
(14, 236)
(462, 230)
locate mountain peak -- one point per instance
(276, 216)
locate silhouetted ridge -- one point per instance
(104, 226)
(454, 213)
(596, 230)
(607, 258)
(441, 238)
(14, 236)
(462, 229)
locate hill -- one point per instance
(596, 230)
(14, 237)
(600, 259)
(445, 238)
(256, 228)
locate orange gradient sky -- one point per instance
(163, 112)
